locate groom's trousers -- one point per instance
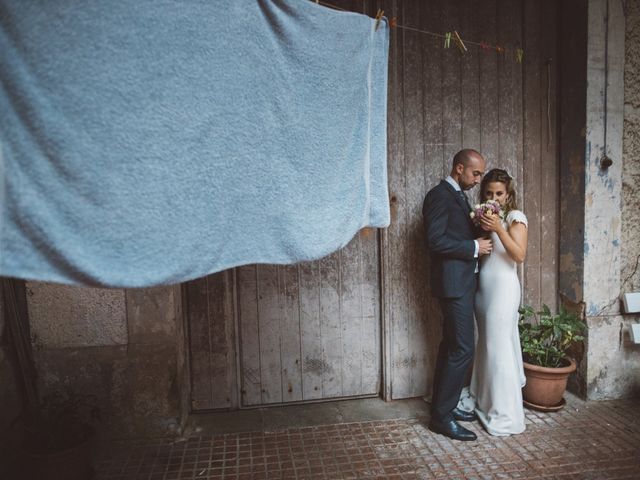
(455, 354)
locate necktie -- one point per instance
(466, 201)
(464, 198)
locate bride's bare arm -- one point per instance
(514, 238)
(515, 241)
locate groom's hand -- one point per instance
(484, 246)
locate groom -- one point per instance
(454, 266)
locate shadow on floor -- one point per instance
(272, 419)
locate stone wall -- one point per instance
(121, 345)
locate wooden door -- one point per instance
(311, 331)
(304, 332)
(439, 101)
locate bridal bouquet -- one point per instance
(488, 208)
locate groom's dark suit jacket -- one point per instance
(450, 235)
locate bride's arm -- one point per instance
(514, 239)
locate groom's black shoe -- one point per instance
(462, 416)
(451, 429)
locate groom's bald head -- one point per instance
(468, 168)
(465, 156)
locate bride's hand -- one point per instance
(491, 223)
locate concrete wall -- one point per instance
(621, 368)
(599, 228)
(631, 152)
(612, 240)
(122, 345)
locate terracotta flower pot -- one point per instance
(546, 386)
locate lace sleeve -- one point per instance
(517, 216)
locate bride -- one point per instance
(498, 377)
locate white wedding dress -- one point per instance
(498, 377)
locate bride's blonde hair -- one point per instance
(500, 175)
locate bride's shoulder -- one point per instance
(517, 216)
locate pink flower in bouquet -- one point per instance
(488, 208)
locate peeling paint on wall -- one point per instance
(603, 195)
(613, 368)
(613, 360)
(630, 238)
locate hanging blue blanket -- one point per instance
(153, 142)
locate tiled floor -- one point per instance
(595, 440)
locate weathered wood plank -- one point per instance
(390, 235)
(532, 142)
(490, 85)
(351, 317)
(221, 342)
(310, 331)
(248, 321)
(434, 169)
(359, 6)
(452, 64)
(269, 316)
(200, 347)
(370, 241)
(415, 258)
(400, 349)
(452, 60)
(394, 278)
(370, 332)
(519, 173)
(509, 37)
(232, 339)
(509, 23)
(371, 323)
(290, 334)
(330, 325)
(549, 172)
(470, 70)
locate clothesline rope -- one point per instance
(484, 46)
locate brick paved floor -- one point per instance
(594, 440)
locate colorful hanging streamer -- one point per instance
(447, 36)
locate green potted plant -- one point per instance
(56, 437)
(545, 339)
